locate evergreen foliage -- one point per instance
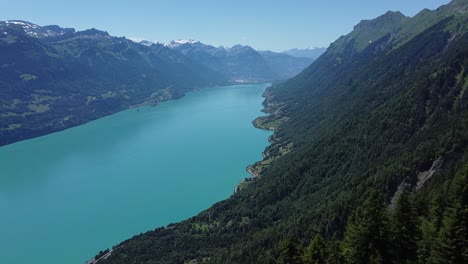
(366, 238)
(405, 228)
(290, 252)
(317, 252)
(453, 237)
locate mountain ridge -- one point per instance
(242, 63)
(312, 53)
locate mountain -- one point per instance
(312, 53)
(36, 31)
(368, 162)
(369, 31)
(53, 78)
(142, 41)
(283, 65)
(242, 63)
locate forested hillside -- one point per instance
(368, 163)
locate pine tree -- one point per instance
(335, 252)
(291, 253)
(405, 230)
(429, 228)
(428, 242)
(437, 210)
(317, 251)
(366, 237)
(454, 232)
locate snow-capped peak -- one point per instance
(176, 43)
(136, 40)
(24, 24)
(185, 41)
(29, 28)
(37, 31)
(142, 41)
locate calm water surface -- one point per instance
(65, 196)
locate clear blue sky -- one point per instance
(263, 24)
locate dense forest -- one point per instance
(368, 162)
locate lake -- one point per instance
(67, 195)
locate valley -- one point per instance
(54, 78)
(354, 153)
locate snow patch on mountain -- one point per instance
(37, 31)
(185, 41)
(176, 43)
(142, 41)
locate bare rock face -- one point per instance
(424, 176)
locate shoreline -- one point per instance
(249, 168)
(251, 172)
(253, 176)
(54, 126)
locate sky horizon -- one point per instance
(263, 24)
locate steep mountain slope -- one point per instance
(53, 78)
(377, 111)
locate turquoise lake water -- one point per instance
(65, 196)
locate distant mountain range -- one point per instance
(52, 78)
(242, 63)
(238, 64)
(312, 53)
